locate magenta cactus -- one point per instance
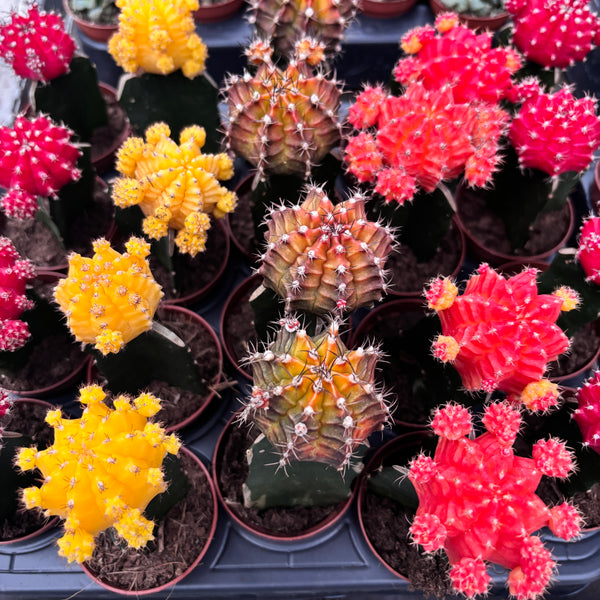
(588, 250)
(556, 132)
(477, 501)
(14, 275)
(500, 334)
(38, 158)
(36, 45)
(554, 33)
(587, 413)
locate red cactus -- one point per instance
(587, 413)
(14, 275)
(36, 45)
(556, 132)
(588, 250)
(38, 158)
(500, 334)
(454, 54)
(554, 33)
(423, 137)
(477, 501)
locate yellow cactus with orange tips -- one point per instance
(157, 36)
(101, 471)
(111, 298)
(176, 186)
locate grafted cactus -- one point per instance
(500, 334)
(312, 397)
(176, 186)
(101, 471)
(588, 250)
(477, 501)
(283, 121)
(325, 258)
(587, 413)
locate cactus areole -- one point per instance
(312, 397)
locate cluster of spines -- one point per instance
(283, 121)
(477, 501)
(587, 413)
(312, 397)
(101, 471)
(36, 45)
(588, 249)
(38, 159)
(325, 258)
(500, 334)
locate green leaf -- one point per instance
(177, 490)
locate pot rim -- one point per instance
(95, 31)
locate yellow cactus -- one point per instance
(157, 36)
(176, 186)
(111, 298)
(102, 470)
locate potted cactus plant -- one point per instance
(97, 19)
(478, 14)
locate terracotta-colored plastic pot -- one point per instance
(490, 23)
(201, 550)
(383, 9)
(220, 11)
(96, 32)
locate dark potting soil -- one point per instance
(279, 521)
(584, 346)
(179, 538)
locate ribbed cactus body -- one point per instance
(101, 471)
(283, 121)
(588, 250)
(109, 299)
(554, 33)
(477, 501)
(38, 159)
(556, 132)
(323, 257)
(312, 397)
(587, 413)
(500, 334)
(36, 45)
(286, 21)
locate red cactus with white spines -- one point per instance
(477, 501)
(587, 413)
(452, 53)
(36, 45)
(14, 275)
(422, 138)
(500, 334)
(556, 132)
(38, 159)
(588, 249)
(554, 33)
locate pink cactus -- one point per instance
(588, 250)
(38, 158)
(556, 132)
(14, 275)
(500, 334)
(554, 33)
(477, 501)
(36, 45)
(454, 54)
(587, 413)
(423, 137)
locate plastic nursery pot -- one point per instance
(189, 324)
(201, 540)
(217, 11)
(385, 8)
(233, 441)
(95, 31)
(490, 23)
(27, 415)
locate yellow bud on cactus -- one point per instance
(176, 186)
(109, 299)
(102, 471)
(539, 395)
(569, 296)
(441, 293)
(158, 36)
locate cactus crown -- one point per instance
(283, 120)
(324, 258)
(36, 45)
(157, 36)
(14, 275)
(176, 186)
(587, 414)
(312, 397)
(109, 299)
(101, 471)
(38, 158)
(477, 501)
(500, 334)
(588, 250)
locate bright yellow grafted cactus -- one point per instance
(176, 186)
(157, 36)
(102, 470)
(109, 299)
